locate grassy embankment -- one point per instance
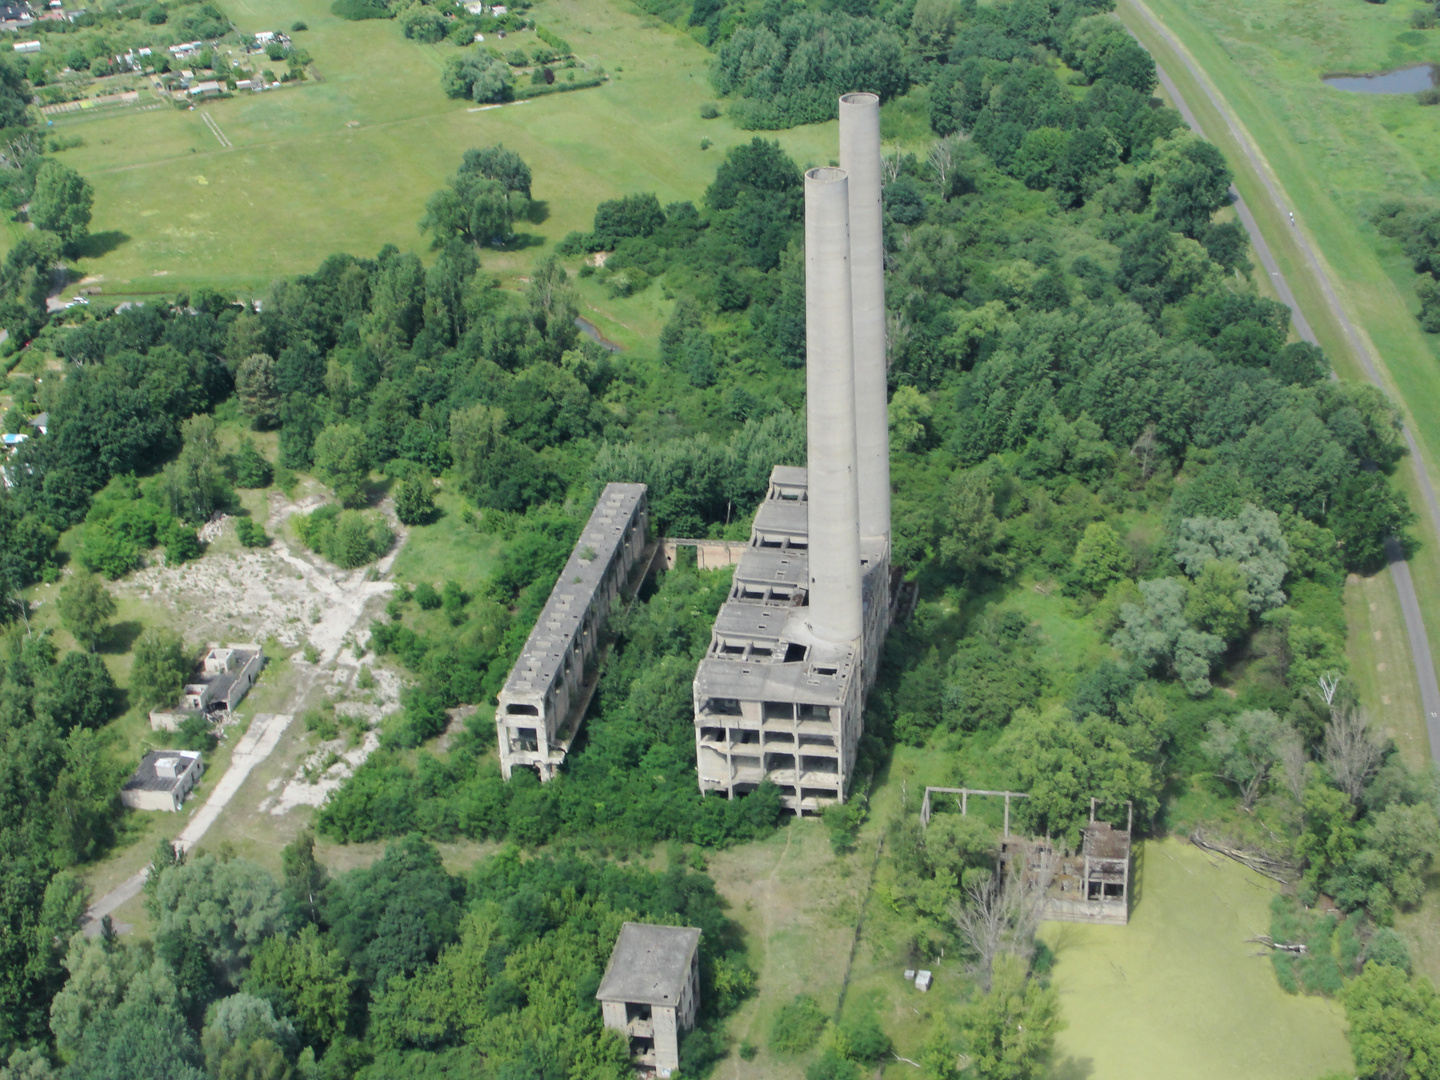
(1323, 148)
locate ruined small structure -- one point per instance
(163, 780)
(1091, 885)
(651, 991)
(222, 678)
(549, 688)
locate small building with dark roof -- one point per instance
(163, 780)
(651, 991)
(220, 680)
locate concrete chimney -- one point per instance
(860, 159)
(834, 553)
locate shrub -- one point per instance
(415, 500)
(348, 538)
(426, 596)
(797, 1026)
(181, 544)
(452, 599)
(160, 668)
(1388, 947)
(297, 26)
(250, 534)
(251, 468)
(194, 734)
(1423, 19)
(356, 10)
(709, 111)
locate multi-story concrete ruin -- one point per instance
(781, 692)
(651, 991)
(549, 687)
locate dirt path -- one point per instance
(344, 603)
(1359, 344)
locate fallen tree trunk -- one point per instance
(1276, 869)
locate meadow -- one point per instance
(1179, 992)
(345, 162)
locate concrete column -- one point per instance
(834, 554)
(860, 158)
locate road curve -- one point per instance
(1399, 569)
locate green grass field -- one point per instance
(1178, 993)
(175, 209)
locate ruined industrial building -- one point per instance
(780, 694)
(651, 991)
(549, 688)
(1091, 885)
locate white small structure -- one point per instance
(479, 37)
(651, 991)
(207, 89)
(163, 780)
(10, 442)
(264, 37)
(476, 7)
(26, 46)
(922, 981)
(498, 10)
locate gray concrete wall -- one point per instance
(834, 535)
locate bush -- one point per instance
(250, 534)
(415, 500)
(251, 468)
(356, 10)
(348, 538)
(297, 26)
(181, 544)
(160, 668)
(709, 111)
(1388, 947)
(797, 1026)
(1423, 19)
(194, 734)
(426, 596)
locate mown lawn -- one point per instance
(176, 210)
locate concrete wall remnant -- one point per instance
(545, 696)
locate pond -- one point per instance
(1408, 80)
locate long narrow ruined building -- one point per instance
(549, 687)
(780, 694)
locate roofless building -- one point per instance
(780, 694)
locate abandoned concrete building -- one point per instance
(651, 991)
(163, 780)
(1090, 885)
(780, 694)
(222, 678)
(549, 688)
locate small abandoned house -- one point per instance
(221, 680)
(1090, 885)
(163, 780)
(651, 991)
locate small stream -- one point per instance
(590, 330)
(1407, 80)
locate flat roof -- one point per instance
(649, 964)
(783, 516)
(554, 631)
(145, 778)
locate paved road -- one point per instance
(253, 748)
(1399, 570)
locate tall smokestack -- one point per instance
(834, 554)
(860, 158)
